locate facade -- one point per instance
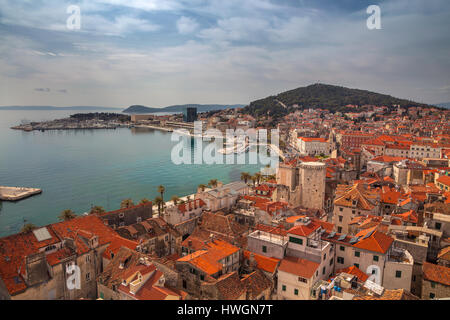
(212, 260)
(313, 146)
(190, 114)
(41, 265)
(223, 197)
(436, 281)
(127, 216)
(353, 201)
(312, 181)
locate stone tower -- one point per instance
(312, 184)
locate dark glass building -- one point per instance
(190, 114)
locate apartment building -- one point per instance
(352, 201)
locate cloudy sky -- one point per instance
(163, 52)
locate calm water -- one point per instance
(78, 169)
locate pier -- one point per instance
(17, 193)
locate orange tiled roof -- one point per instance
(304, 230)
(353, 270)
(377, 242)
(444, 180)
(262, 262)
(436, 273)
(300, 267)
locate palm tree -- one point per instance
(28, 228)
(161, 190)
(212, 183)
(175, 200)
(258, 177)
(144, 201)
(202, 187)
(159, 202)
(97, 210)
(254, 180)
(127, 203)
(245, 176)
(67, 215)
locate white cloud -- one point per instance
(186, 25)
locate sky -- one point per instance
(165, 52)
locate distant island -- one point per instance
(180, 108)
(84, 108)
(332, 98)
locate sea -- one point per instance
(78, 169)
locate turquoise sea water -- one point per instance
(80, 168)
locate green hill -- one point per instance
(333, 98)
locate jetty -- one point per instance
(17, 193)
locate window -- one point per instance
(342, 248)
(138, 219)
(88, 258)
(202, 277)
(341, 209)
(339, 229)
(296, 292)
(432, 295)
(413, 278)
(323, 270)
(88, 276)
(184, 284)
(325, 256)
(301, 279)
(438, 225)
(283, 287)
(433, 284)
(353, 211)
(264, 249)
(375, 258)
(296, 240)
(102, 296)
(356, 265)
(331, 262)
(340, 260)
(398, 274)
(357, 254)
(340, 218)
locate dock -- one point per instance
(17, 193)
